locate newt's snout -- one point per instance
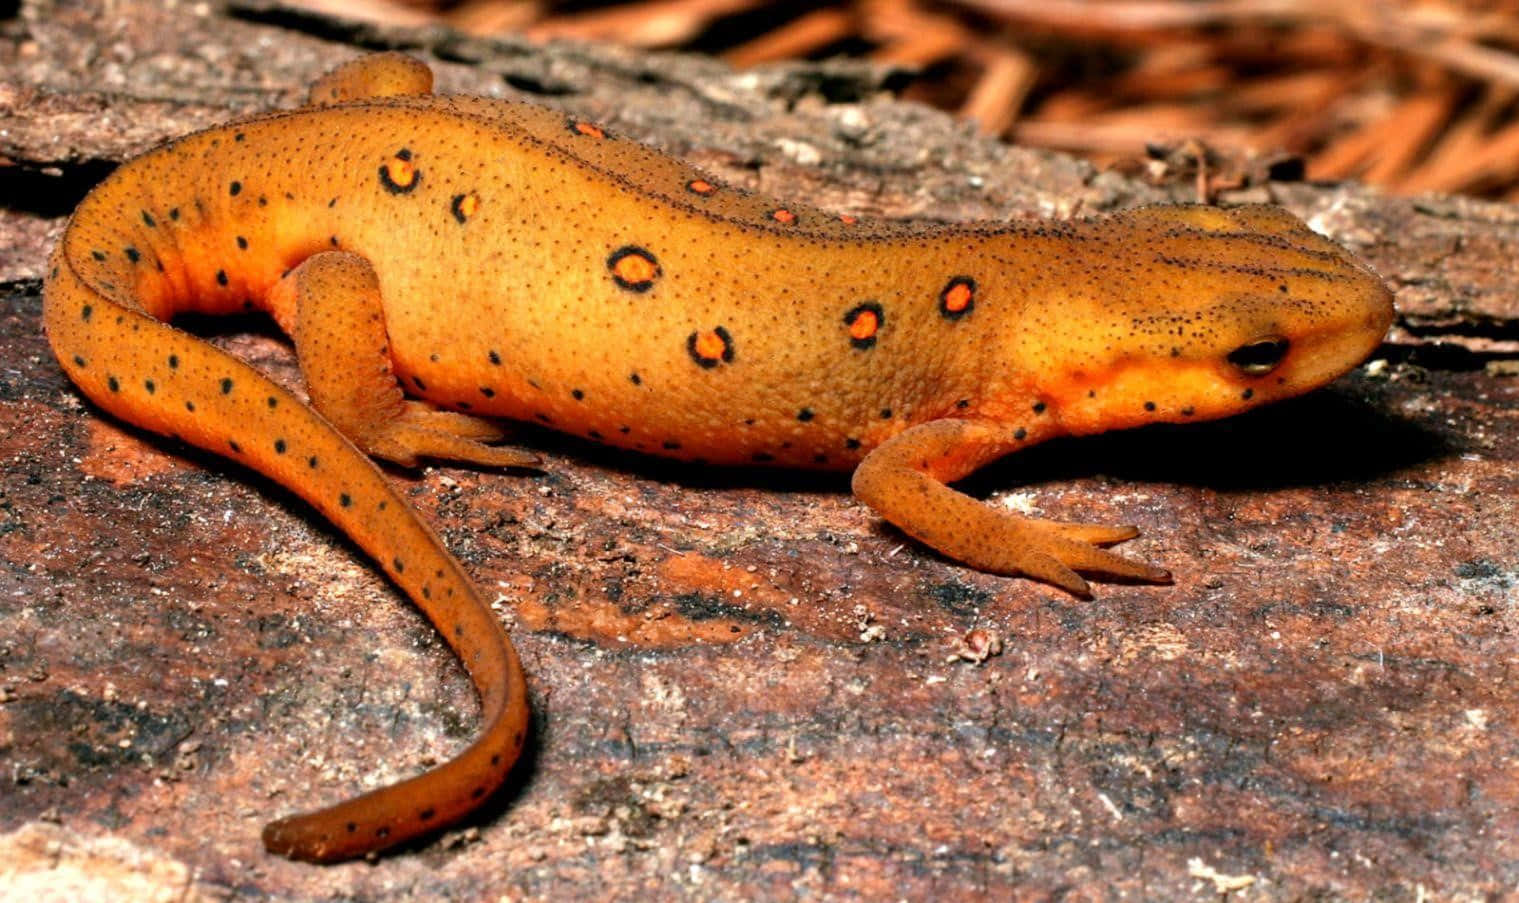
(1206, 312)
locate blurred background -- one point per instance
(1411, 96)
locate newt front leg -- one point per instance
(904, 481)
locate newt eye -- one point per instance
(1259, 357)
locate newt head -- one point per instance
(1176, 314)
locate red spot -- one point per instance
(783, 216)
(587, 129)
(464, 206)
(864, 322)
(958, 297)
(701, 187)
(711, 347)
(399, 174)
(633, 268)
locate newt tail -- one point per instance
(134, 365)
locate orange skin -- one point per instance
(505, 260)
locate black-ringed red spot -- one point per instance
(710, 347)
(783, 216)
(864, 322)
(958, 297)
(589, 130)
(399, 174)
(464, 206)
(701, 187)
(633, 268)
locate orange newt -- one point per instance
(435, 259)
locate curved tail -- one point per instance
(106, 297)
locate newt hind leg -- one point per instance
(371, 77)
(330, 305)
(904, 481)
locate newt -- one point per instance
(441, 260)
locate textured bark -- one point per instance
(746, 685)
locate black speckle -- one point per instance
(426, 814)
(495, 358)
(577, 394)
(173, 362)
(1248, 394)
(236, 188)
(242, 243)
(851, 443)
(886, 413)
(221, 277)
(804, 415)
(624, 429)
(487, 391)
(279, 446)
(232, 443)
(820, 459)
(1020, 434)
(190, 406)
(635, 379)
(963, 403)
(1149, 406)
(98, 255)
(112, 384)
(78, 361)
(345, 500)
(671, 445)
(311, 462)
(273, 402)
(148, 384)
(419, 384)
(239, 136)
(1038, 407)
(332, 240)
(1187, 412)
(174, 213)
(595, 434)
(133, 254)
(85, 312)
(226, 385)
(544, 417)
(147, 220)
(400, 565)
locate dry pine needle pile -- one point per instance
(1411, 96)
